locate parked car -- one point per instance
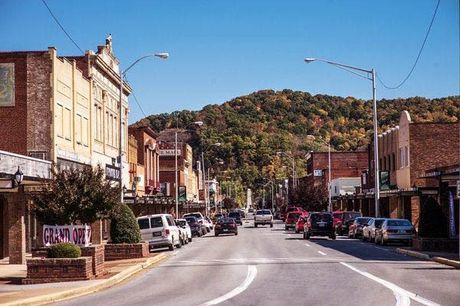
(356, 228)
(159, 231)
(291, 219)
(262, 217)
(344, 220)
(209, 222)
(187, 231)
(299, 225)
(319, 224)
(288, 210)
(195, 226)
(400, 230)
(226, 226)
(369, 230)
(237, 216)
(205, 226)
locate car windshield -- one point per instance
(337, 215)
(156, 222)
(362, 220)
(181, 222)
(263, 212)
(191, 220)
(226, 220)
(398, 223)
(143, 223)
(293, 216)
(198, 216)
(234, 215)
(378, 223)
(320, 217)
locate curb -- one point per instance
(72, 293)
(441, 260)
(412, 253)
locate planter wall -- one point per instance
(435, 244)
(96, 252)
(126, 251)
(49, 270)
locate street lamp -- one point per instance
(161, 55)
(206, 191)
(18, 177)
(371, 72)
(294, 183)
(329, 187)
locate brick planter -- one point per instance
(435, 244)
(126, 251)
(96, 252)
(50, 270)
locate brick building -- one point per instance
(406, 153)
(343, 165)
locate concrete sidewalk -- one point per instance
(13, 293)
(450, 259)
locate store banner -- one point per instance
(76, 234)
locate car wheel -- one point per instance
(286, 228)
(255, 224)
(216, 234)
(236, 233)
(304, 237)
(171, 246)
(179, 245)
(308, 235)
(271, 224)
(190, 239)
(333, 236)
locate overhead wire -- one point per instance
(62, 28)
(135, 99)
(418, 55)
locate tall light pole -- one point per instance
(370, 75)
(329, 187)
(162, 55)
(294, 183)
(199, 123)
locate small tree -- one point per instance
(312, 198)
(433, 223)
(123, 226)
(75, 195)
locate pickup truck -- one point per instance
(263, 216)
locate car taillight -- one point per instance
(167, 231)
(217, 225)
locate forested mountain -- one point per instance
(254, 127)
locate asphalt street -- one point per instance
(269, 266)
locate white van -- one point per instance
(159, 231)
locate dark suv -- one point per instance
(237, 216)
(319, 224)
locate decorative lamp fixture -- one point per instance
(18, 176)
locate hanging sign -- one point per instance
(76, 234)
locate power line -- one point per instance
(418, 55)
(135, 99)
(60, 25)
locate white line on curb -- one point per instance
(322, 253)
(252, 272)
(402, 296)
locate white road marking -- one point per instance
(382, 249)
(307, 244)
(402, 296)
(252, 272)
(322, 253)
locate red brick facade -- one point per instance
(48, 270)
(126, 251)
(28, 123)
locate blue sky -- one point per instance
(223, 49)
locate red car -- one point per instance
(291, 209)
(299, 225)
(292, 218)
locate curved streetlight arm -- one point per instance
(312, 59)
(163, 55)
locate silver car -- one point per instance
(395, 230)
(373, 225)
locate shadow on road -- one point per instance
(361, 250)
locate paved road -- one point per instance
(269, 266)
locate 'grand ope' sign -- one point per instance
(76, 234)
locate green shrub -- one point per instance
(124, 227)
(433, 223)
(64, 250)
